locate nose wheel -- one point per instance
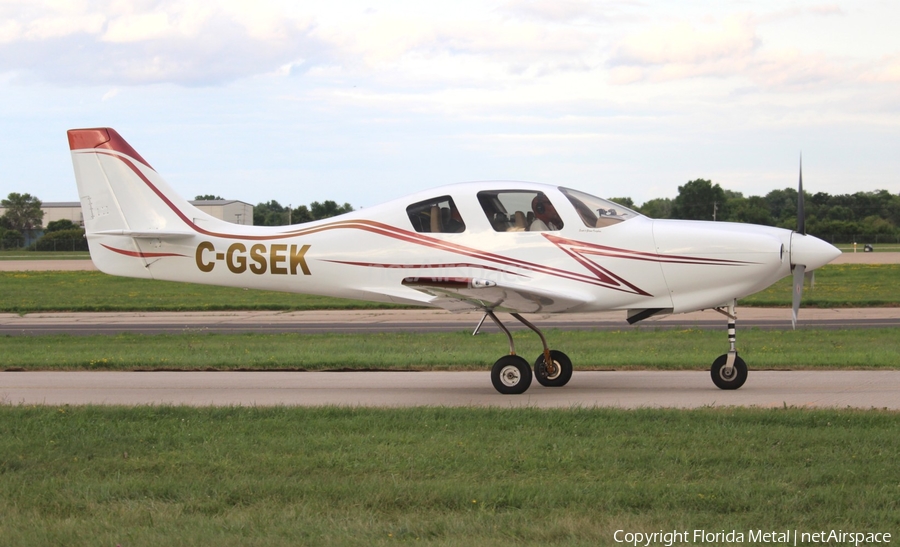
(726, 377)
(729, 371)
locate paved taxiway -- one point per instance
(422, 320)
(668, 389)
(678, 389)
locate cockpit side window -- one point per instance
(597, 212)
(438, 215)
(519, 211)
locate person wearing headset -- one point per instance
(545, 215)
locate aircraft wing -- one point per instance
(462, 294)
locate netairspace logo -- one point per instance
(755, 537)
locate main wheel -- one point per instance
(723, 379)
(557, 375)
(511, 375)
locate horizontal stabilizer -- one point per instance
(147, 234)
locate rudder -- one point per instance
(123, 200)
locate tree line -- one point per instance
(862, 216)
(23, 219)
(845, 218)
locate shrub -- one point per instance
(63, 240)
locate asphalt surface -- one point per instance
(632, 389)
(654, 389)
(424, 320)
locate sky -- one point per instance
(361, 102)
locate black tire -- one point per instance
(562, 375)
(511, 375)
(738, 373)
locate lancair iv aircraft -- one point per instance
(511, 247)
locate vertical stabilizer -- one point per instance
(122, 196)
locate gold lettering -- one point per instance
(198, 256)
(275, 258)
(239, 264)
(297, 258)
(257, 255)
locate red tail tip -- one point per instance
(102, 137)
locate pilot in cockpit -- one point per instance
(545, 215)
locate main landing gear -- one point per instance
(511, 374)
(729, 371)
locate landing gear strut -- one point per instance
(729, 371)
(511, 374)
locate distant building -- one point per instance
(229, 210)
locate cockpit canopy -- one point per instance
(517, 210)
(597, 212)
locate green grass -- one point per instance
(629, 349)
(838, 286)
(339, 476)
(33, 291)
(842, 285)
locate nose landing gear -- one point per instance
(729, 371)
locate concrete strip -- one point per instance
(868, 258)
(421, 316)
(663, 389)
(46, 265)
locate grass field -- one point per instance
(153, 476)
(842, 285)
(292, 476)
(628, 349)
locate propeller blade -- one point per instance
(799, 271)
(811, 279)
(801, 213)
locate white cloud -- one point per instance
(686, 44)
(126, 43)
(10, 31)
(137, 28)
(110, 94)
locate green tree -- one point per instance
(270, 213)
(752, 210)
(23, 213)
(60, 225)
(657, 208)
(208, 197)
(627, 202)
(62, 240)
(10, 239)
(328, 209)
(301, 214)
(783, 205)
(699, 200)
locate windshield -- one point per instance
(597, 212)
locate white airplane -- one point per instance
(513, 247)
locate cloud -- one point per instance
(188, 43)
(110, 94)
(730, 48)
(550, 10)
(687, 44)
